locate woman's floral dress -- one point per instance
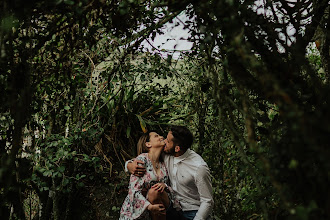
(135, 205)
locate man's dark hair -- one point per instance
(182, 137)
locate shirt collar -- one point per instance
(182, 157)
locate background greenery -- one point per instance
(78, 89)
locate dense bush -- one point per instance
(78, 89)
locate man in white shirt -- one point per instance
(188, 172)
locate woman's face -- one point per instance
(156, 140)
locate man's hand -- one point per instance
(160, 187)
(157, 209)
(136, 169)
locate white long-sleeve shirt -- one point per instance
(190, 179)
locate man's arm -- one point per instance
(204, 186)
(135, 167)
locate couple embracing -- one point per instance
(168, 181)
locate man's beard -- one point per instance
(171, 151)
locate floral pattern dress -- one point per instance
(135, 204)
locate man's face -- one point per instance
(169, 144)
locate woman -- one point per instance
(148, 196)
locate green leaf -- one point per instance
(293, 164)
(61, 169)
(44, 188)
(65, 182)
(115, 208)
(47, 173)
(56, 2)
(69, 2)
(128, 132)
(142, 124)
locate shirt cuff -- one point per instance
(129, 161)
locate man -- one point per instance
(188, 172)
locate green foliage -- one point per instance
(79, 88)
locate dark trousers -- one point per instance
(173, 214)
